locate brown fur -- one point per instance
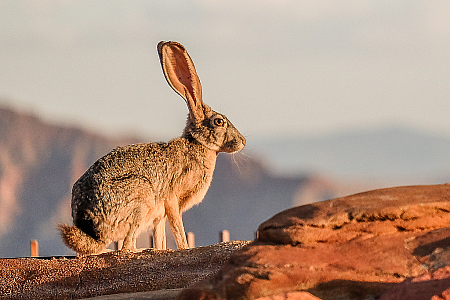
(139, 186)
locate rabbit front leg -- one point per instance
(159, 233)
(176, 224)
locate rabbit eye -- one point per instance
(219, 122)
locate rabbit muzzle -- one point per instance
(233, 141)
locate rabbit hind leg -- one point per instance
(129, 242)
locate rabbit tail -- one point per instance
(79, 241)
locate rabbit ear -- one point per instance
(180, 73)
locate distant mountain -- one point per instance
(387, 154)
(39, 162)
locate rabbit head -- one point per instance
(211, 129)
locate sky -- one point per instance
(274, 67)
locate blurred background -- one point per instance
(334, 97)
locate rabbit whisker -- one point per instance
(233, 158)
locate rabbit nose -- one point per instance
(243, 141)
(240, 138)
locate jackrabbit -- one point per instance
(138, 186)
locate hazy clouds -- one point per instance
(274, 67)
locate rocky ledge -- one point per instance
(380, 243)
(384, 244)
(111, 273)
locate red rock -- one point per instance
(379, 211)
(291, 296)
(354, 247)
(430, 286)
